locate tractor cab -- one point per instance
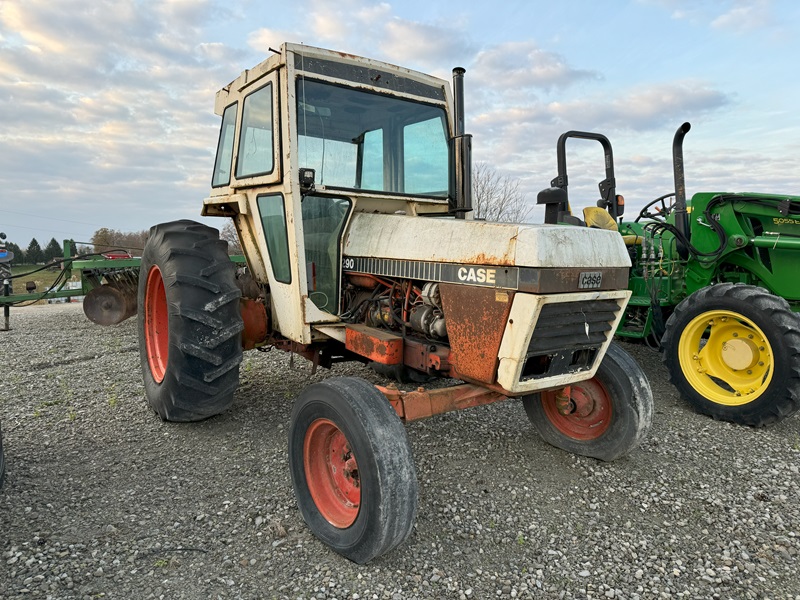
(308, 138)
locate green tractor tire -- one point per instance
(733, 351)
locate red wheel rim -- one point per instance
(156, 324)
(332, 473)
(585, 415)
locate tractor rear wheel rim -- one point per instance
(331, 473)
(726, 357)
(156, 324)
(589, 414)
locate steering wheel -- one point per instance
(660, 213)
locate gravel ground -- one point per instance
(103, 500)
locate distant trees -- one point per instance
(105, 239)
(34, 254)
(497, 197)
(229, 234)
(53, 250)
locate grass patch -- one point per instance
(43, 279)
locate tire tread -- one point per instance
(204, 321)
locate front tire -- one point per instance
(605, 417)
(733, 351)
(352, 470)
(189, 322)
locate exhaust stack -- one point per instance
(462, 152)
(681, 215)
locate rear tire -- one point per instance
(189, 322)
(733, 351)
(605, 417)
(352, 470)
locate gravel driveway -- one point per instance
(103, 500)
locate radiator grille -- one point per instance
(568, 336)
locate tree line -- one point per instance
(103, 240)
(34, 254)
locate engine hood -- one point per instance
(447, 240)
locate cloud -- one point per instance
(108, 106)
(515, 65)
(373, 29)
(737, 16)
(509, 131)
(744, 17)
(643, 108)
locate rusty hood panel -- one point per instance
(476, 319)
(482, 243)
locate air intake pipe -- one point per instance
(681, 215)
(461, 198)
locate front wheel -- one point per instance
(733, 351)
(352, 470)
(189, 322)
(604, 417)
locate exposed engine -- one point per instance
(396, 304)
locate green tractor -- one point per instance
(715, 287)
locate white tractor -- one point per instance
(348, 181)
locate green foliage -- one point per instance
(34, 254)
(53, 250)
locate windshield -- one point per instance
(367, 141)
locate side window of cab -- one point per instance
(224, 160)
(255, 156)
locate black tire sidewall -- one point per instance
(366, 537)
(354, 535)
(628, 391)
(165, 396)
(153, 388)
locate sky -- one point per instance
(106, 107)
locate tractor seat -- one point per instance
(597, 217)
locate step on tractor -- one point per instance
(714, 283)
(348, 182)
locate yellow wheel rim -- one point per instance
(726, 357)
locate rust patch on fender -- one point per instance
(476, 321)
